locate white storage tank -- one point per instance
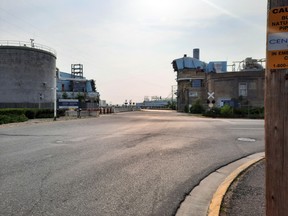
(27, 73)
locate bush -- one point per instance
(197, 108)
(20, 118)
(5, 119)
(44, 113)
(61, 112)
(30, 113)
(213, 112)
(49, 113)
(23, 114)
(249, 112)
(11, 111)
(240, 112)
(226, 111)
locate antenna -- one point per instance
(32, 42)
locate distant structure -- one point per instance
(250, 64)
(75, 86)
(28, 77)
(77, 70)
(27, 72)
(154, 103)
(213, 85)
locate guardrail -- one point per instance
(28, 44)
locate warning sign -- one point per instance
(277, 38)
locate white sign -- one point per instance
(193, 94)
(68, 104)
(211, 95)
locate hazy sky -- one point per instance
(127, 46)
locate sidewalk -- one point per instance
(207, 196)
(246, 195)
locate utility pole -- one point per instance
(171, 95)
(55, 95)
(276, 109)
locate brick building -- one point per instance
(197, 80)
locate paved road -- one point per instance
(140, 163)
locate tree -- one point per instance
(64, 95)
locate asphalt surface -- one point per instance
(246, 195)
(140, 163)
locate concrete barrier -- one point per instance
(83, 113)
(100, 111)
(94, 113)
(124, 109)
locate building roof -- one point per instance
(187, 63)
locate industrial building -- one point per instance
(153, 104)
(213, 85)
(75, 86)
(29, 78)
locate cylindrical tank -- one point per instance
(27, 73)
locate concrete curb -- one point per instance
(203, 200)
(215, 205)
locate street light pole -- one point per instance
(55, 95)
(276, 109)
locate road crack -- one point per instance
(43, 179)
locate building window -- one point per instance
(197, 83)
(243, 89)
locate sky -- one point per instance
(127, 46)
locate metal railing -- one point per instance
(28, 44)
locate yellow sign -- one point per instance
(277, 38)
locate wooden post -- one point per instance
(276, 109)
